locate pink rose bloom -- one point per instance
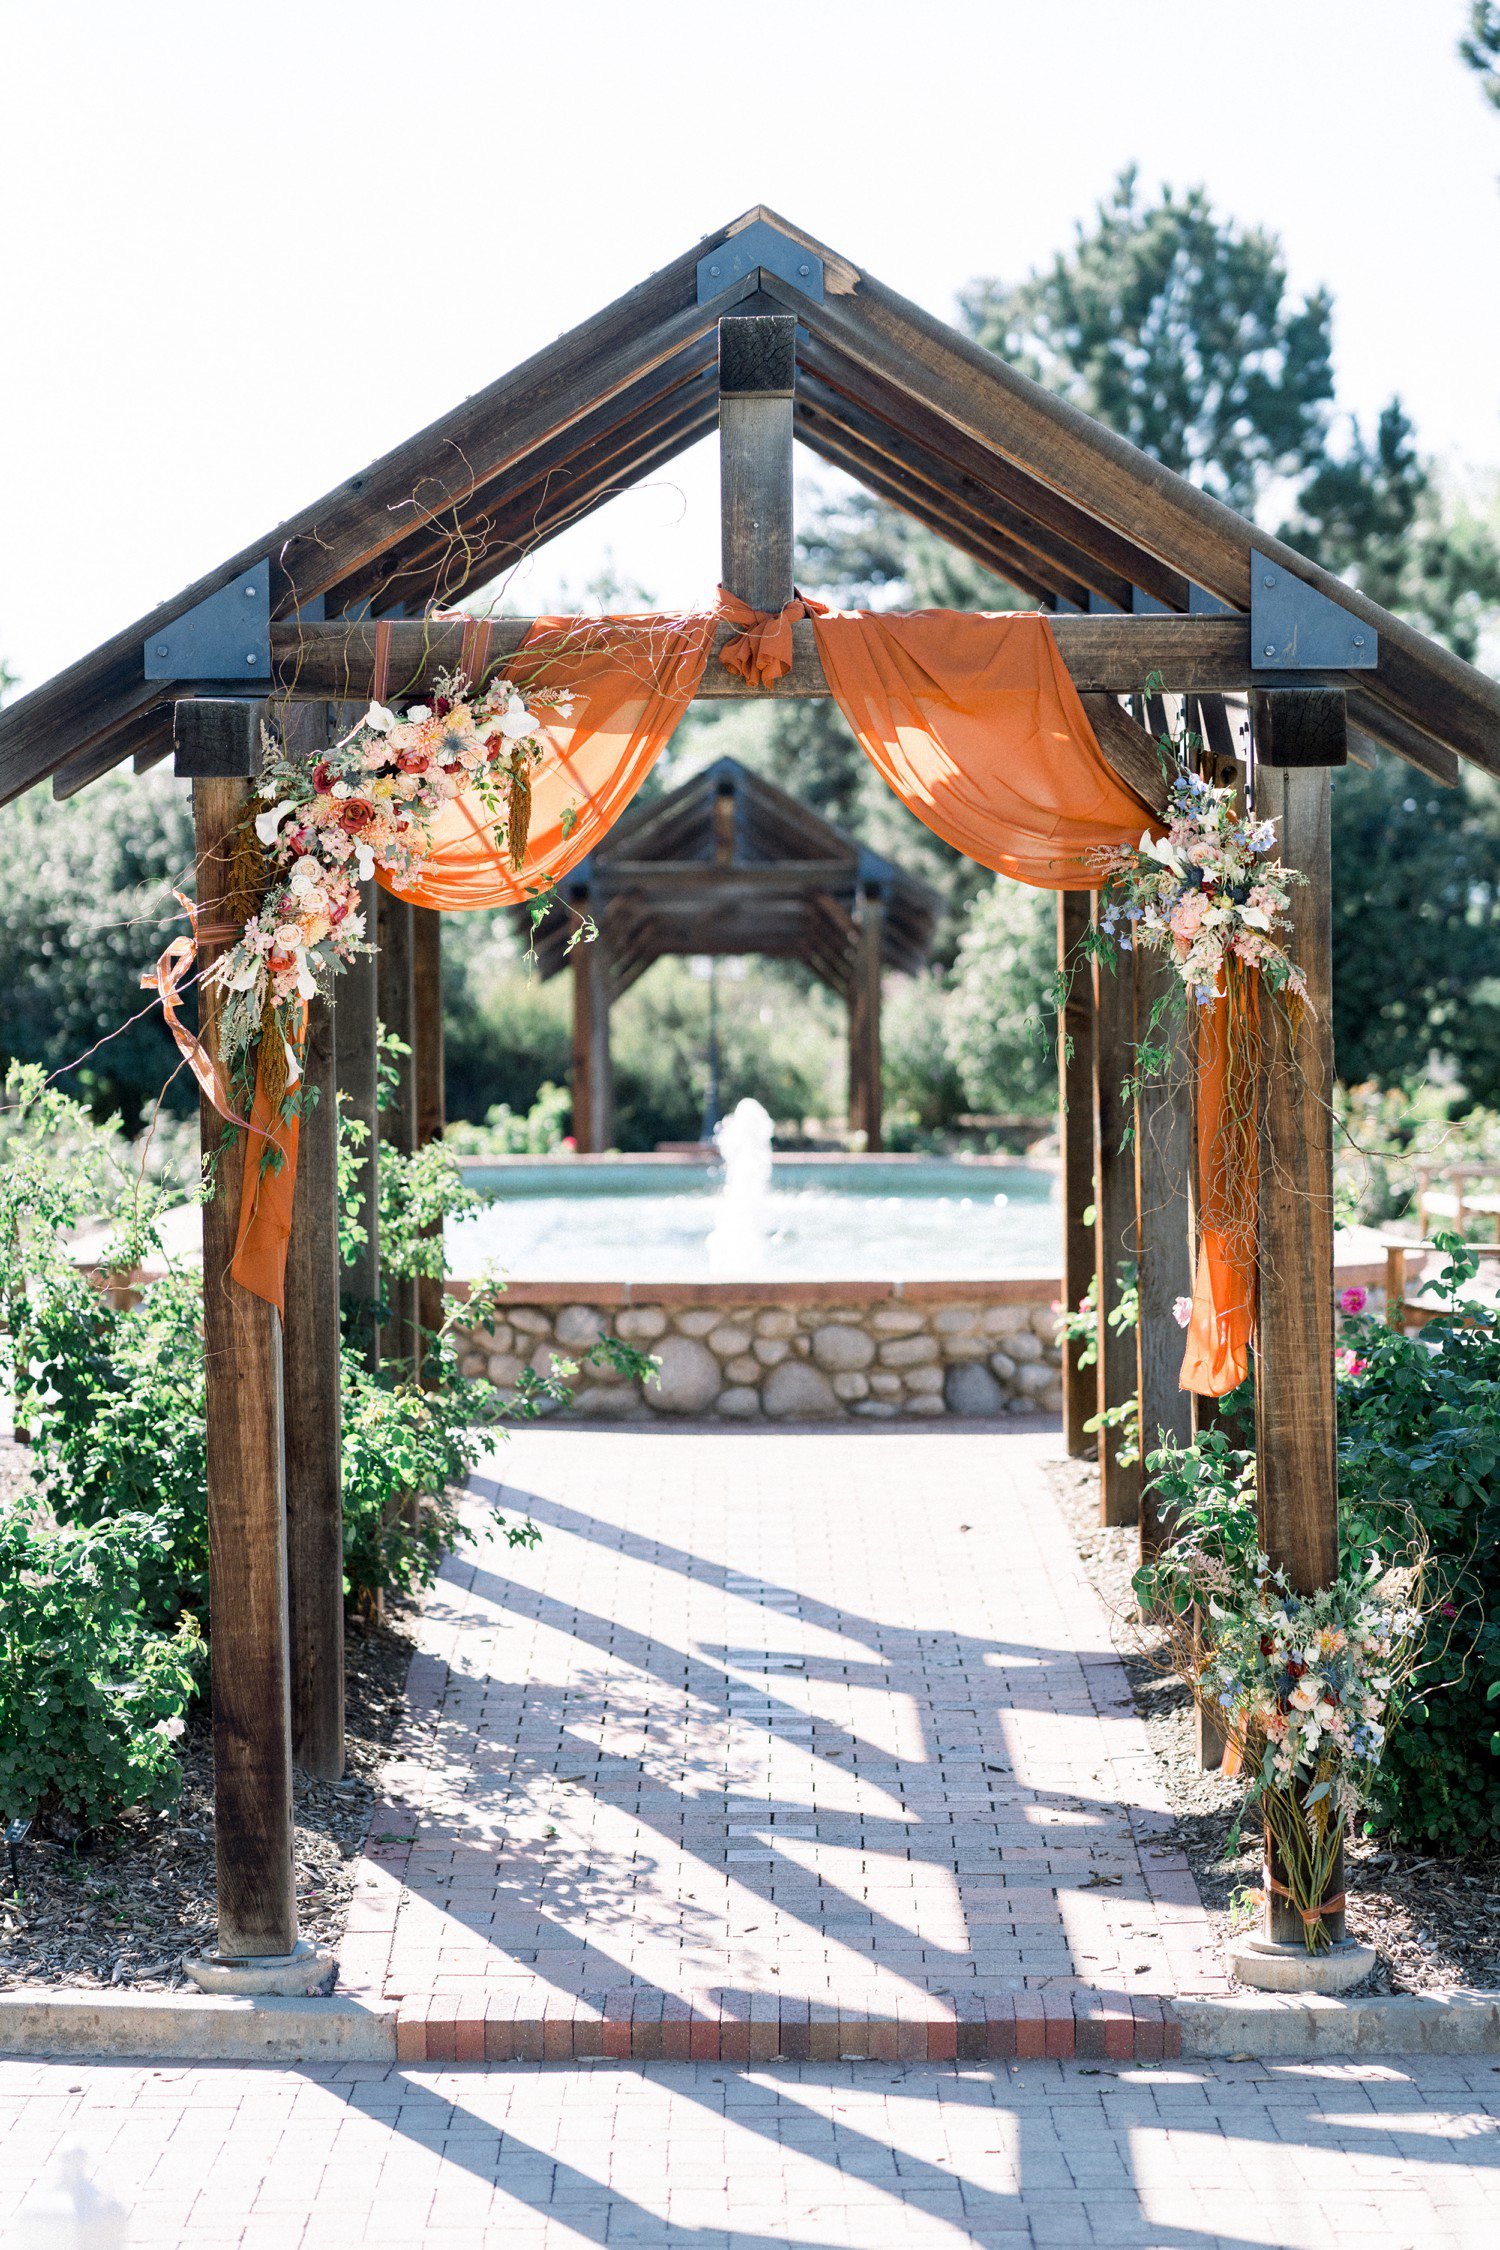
(1353, 1300)
(1186, 917)
(1182, 1311)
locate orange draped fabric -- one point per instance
(631, 678)
(972, 719)
(1222, 1320)
(975, 723)
(266, 1193)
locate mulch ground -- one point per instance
(122, 1907)
(1434, 1922)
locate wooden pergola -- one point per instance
(728, 864)
(769, 335)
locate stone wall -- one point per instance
(792, 1352)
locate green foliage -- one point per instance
(85, 904)
(418, 1192)
(1175, 327)
(538, 1131)
(90, 1695)
(923, 1090)
(1387, 1137)
(1419, 1460)
(1481, 48)
(1416, 927)
(1000, 1028)
(1419, 1439)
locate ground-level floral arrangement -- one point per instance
(367, 806)
(1304, 1689)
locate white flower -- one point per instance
(1255, 917)
(307, 985)
(417, 713)
(170, 1729)
(267, 823)
(287, 937)
(380, 718)
(516, 721)
(364, 860)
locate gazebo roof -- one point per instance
(1066, 511)
(728, 863)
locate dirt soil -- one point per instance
(123, 1907)
(1434, 1922)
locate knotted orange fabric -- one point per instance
(762, 653)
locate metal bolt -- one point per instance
(1359, 640)
(713, 273)
(162, 649)
(804, 270)
(250, 656)
(249, 593)
(1268, 580)
(1269, 649)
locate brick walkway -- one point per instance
(1358, 2156)
(780, 1744)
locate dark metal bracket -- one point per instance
(1294, 628)
(759, 246)
(226, 637)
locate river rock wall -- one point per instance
(808, 1353)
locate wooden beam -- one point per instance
(427, 1044)
(395, 997)
(1294, 1398)
(354, 1041)
(1104, 654)
(866, 1089)
(593, 1076)
(1075, 1072)
(757, 363)
(1034, 514)
(1165, 1157)
(1115, 1232)
(247, 1565)
(992, 403)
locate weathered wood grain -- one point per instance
(1294, 1395)
(247, 1567)
(1115, 1231)
(1165, 1155)
(1075, 1070)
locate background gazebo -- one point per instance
(727, 864)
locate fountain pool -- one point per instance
(795, 1218)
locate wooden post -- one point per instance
(1115, 1227)
(757, 375)
(354, 1049)
(427, 1017)
(593, 1074)
(1165, 1159)
(314, 1489)
(866, 1090)
(1299, 736)
(310, 1373)
(219, 745)
(395, 998)
(1075, 1074)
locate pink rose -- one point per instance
(1353, 1300)
(1182, 1311)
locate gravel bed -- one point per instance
(123, 1906)
(1434, 1922)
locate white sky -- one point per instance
(247, 248)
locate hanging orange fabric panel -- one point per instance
(1222, 1320)
(975, 723)
(631, 678)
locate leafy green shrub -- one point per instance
(538, 1131)
(1419, 1441)
(1419, 1461)
(91, 1697)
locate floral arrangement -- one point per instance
(1206, 889)
(1304, 1688)
(368, 803)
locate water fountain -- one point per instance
(738, 1239)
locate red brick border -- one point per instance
(637, 2026)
